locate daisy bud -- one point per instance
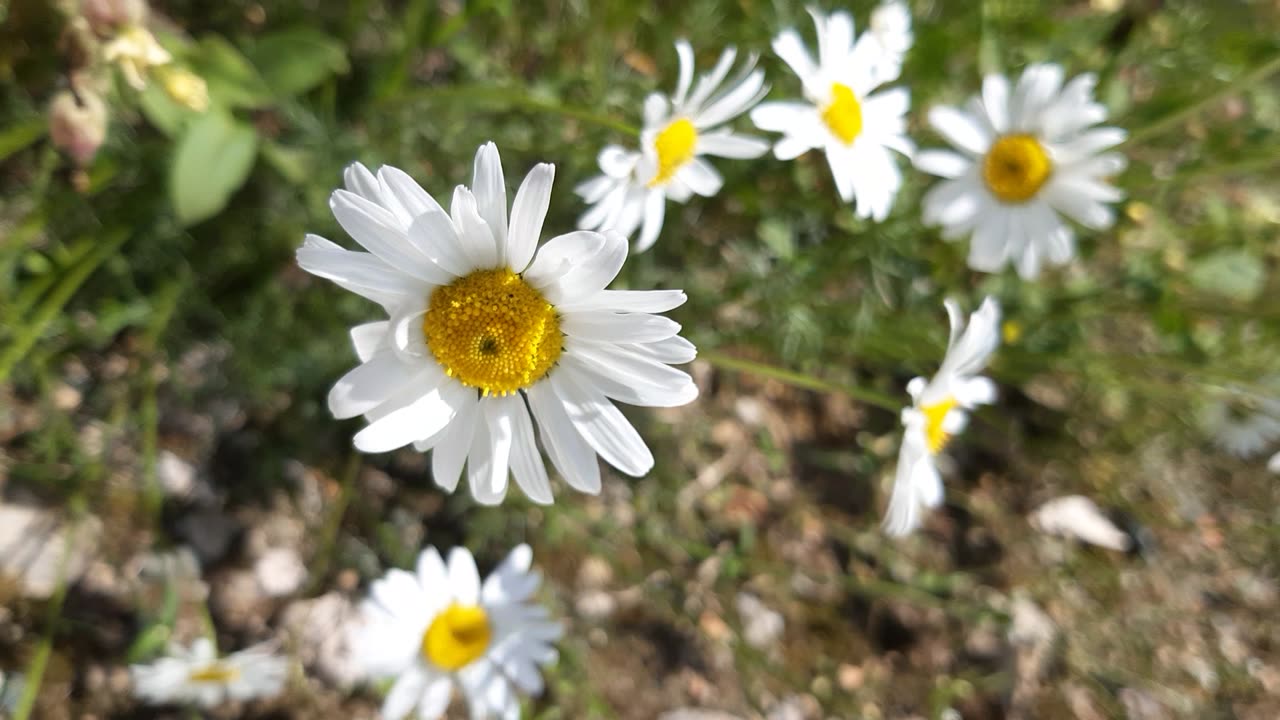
(78, 124)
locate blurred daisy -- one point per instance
(939, 410)
(841, 114)
(489, 333)
(678, 131)
(1243, 423)
(1025, 156)
(136, 51)
(890, 28)
(441, 627)
(197, 676)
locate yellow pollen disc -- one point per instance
(491, 331)
(1016, 167)
(457, 637)
(215, 673)
(675, 145)
(935, 437)
(844, 115)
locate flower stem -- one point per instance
(506, 97)
(1240, 84)
(798, 379)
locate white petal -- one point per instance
(701, 177)
(511, 581)
(1079, 517)
(434, 234)
(368, 338)
(358, 272)
(1071, 201)
(960, 130)
(724, 143)
(568, 451)
(644, 301)
(630, 377)
(989, 249)
(942, 163)
(606, 326)
(793, 146)
(733, 103)
(404, 695)
(780, 116)
(381, 233)
(791, 49)
(655, 207)
(672, 351)
(526, 463)
(587, 275)
(603, 426)
(488, 465)
(433, 576)
(903, 514)
(527, 215)
(490, 188)
(475, 237)
(370, 384)
(357, 179)
(450, 454)
(421, 418)
(435, 698)
(995, 100)
(617, 162)
(656, 111)
(464, 578)
(409, 197)
(707, 84)
(685, 53)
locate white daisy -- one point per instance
(489, 333)
(1242, 422)
(195, 675)
(890, 28)
(1024, 157)
(939, 410)
(841, 114)
(442, 627)
(678, 131)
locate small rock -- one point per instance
(36, 545)
(209, 532)
(66, 398)
(280, 572)
(696, 714)
(1076, 516)
(1140, 705)
(322, 631)
(796, 707)
(595, 605)
(761, 626)
(850, 677)
(177, 476)
(237, 600)
(595, 573)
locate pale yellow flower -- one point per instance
(186, 88)
(136, 51)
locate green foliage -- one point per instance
(212, 160)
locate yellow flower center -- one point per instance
(490, 330)
(1016, 167)
(675, 145)
(457, 637)
(844, 115)
(216, 673)
(935, 437)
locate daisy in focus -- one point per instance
(491, 336)
(678, 131)
(1024, 156)
(196, 676)
(440, 627)
(939, 409)
(842, 114)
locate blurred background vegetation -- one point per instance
(164, 364)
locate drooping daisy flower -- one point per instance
(136, 51)
(939, 410)
(890, 28)
(441, 627)
(1242, 422)
(678, 131)
(489, 333)
(1024, 157)
(841, 114)
(197, 676)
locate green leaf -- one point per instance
(293, 164)
(1236, 274)
(161, 110)
(294, 61)
(232, 80)
(21, 134)
(213, 159)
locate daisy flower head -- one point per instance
(195, 675)
(1242, 422)
(1024, 156)
(890, 28)
(842, 113)
(632, 191)
(939, 409)
(492, 339)
(440, 627)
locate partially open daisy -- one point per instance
(678, 131)
(841, 113)
(1024, 157)
(489, 333)
(440, 627)
(939, 410)
(196, 676)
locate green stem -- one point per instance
(27, 336)
(509, 98)
(1173, 119)
(801, 380)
